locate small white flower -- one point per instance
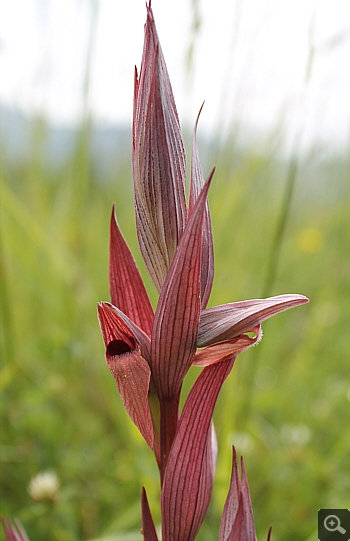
(44, 486)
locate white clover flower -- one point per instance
(44, 486)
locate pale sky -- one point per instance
(249, 65)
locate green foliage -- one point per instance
(286, 402)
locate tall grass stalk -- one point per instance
(275, 254)
(6, 336)
(78, 186)
(276, 247)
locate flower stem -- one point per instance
(169, 415)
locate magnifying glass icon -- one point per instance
(332, 524)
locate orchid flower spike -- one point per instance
(150, 352)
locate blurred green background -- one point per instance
(280, 223)
(286, 403)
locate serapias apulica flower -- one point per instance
(150, 352)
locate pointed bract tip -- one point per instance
(113, 215)
(243, 473)
(199, 113)
(149, 10)
(298, 299)
(211, 174)
(148, 529)
(269, 534)
(302, 299)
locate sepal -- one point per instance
(227, 321)
(126, 286)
